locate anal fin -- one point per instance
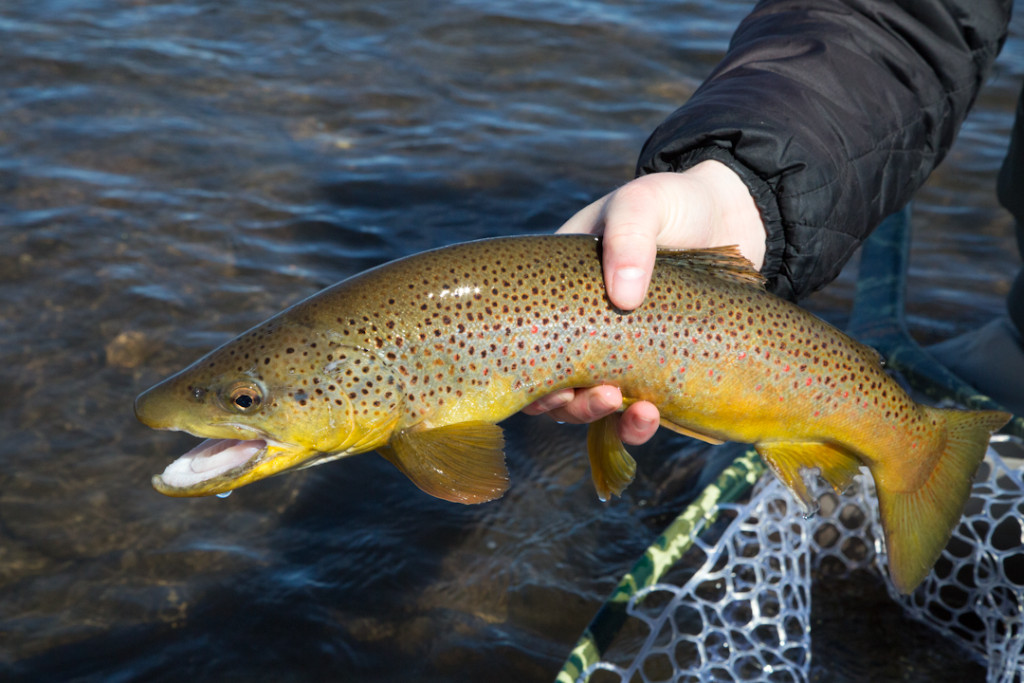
(462, 462)
(611, 466)
(788, 458)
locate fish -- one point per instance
(419, 360)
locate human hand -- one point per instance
(707, 205)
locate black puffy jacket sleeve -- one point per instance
(833, 112)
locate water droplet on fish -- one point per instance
(811, 510)
(225, 494)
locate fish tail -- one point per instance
(919, 523)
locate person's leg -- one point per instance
(1015, 300)
(991, 359)
(1010, 190)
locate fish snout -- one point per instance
(156, 408)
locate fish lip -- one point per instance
(181, 478)
(197, 473)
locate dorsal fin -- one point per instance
(722, 262)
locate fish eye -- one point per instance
(244, 397)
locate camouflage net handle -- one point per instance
(734, 483)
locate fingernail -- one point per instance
(644, 421)
(629, 286)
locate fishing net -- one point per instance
(735, 604)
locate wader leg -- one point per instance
(1010, 190)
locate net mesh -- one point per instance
(737, 607)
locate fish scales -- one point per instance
(420, 358)
(529, 317)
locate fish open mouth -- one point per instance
(214, 459)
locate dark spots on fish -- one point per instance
(538, 316)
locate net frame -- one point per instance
(744, 614)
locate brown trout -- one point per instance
(419, 358)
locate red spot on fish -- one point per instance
(846, 394)
(785, 369)
(711, 373)
(534, 329)
(809, 381)
(757, 388)
(817, 413)
(682, 370)
(533, 361)
(593, 332)
(743, 354)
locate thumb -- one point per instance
(632, 221)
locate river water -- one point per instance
(174, 172)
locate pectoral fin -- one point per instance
(787, 459)
(611, 466)
(463, 462)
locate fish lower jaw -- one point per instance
(212, 467)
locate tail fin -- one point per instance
(918, 523)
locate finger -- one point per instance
(632, 219)
(588, 220)
(639, 423)
(589, 405)
(552, 401)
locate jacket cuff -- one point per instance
(762, 193)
